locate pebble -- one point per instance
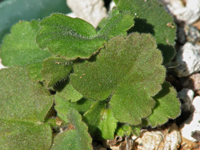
(187, 60)
(192, 124)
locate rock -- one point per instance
(92, 11)
(193, 82)
(192, 125)
(186, 95)
(189, 12)
(1, 66)
(188, 60)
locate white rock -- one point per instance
(192, 124)
(92, 11)
(186, 95)
(188, 60)
(189, 13)
(1, 66)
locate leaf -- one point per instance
(66, 91)
(23, 106)
(34, 71)
(129, 70)
(75, 137)
(18, 135)
(63, 106)
(11, 11)
(167, 106)
(100, 121)
(19, 48)
(116, 24)
(127, 130)
(68, 37)
(147, 20)
(55, 69)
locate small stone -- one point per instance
(193, 82)
(186, 95)
(188, 60)
(192, 124)
(92, 11)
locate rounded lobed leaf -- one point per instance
(129, 70)
(75, 137)
(19, 48)
(68, 37)
(147, 20)
(167, 106)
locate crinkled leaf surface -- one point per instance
(127, 130)
(129, 70)
(67, 91)
(23, 106)
(167, 106)
(68, 37)
(75, 137)
(55, 69)
(63, 106)
(101, 121)
(147, 20)
(116, 24)
(11, 11)
(34, 71)
(19, 48)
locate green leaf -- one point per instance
(34, 71)
(23, 106)
(100, 121)
(55, 69)
(116, 24)
(63, 106)
(68, 37)
(21, 135)
(11, 11)
(167, 106)
(66, 91)
(147, 20)
(126, 70)
(127, 130)
(19, 48)
(75, 137)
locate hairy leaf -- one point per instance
(147, 20)
(55, 69)
(129, 70)
(11, 11)
(66, 91)
(19, 48)
(167, 106)
(63, 106)
(116, 24)
(18, 135)
(68, 37)
(34, 71)
(75, 137)
(101, 121)
(23, 106)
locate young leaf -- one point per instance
(19, 48)
(68, 37)
(66, 91)
(75, 137)
(147, 20)
(116, 24)
(127, 130)
(62, 106)
(129, 70)
(23, 106)
(34, 71)
(100, 121)
(55, 69)
(167, 106)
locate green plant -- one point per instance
(112, 77)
